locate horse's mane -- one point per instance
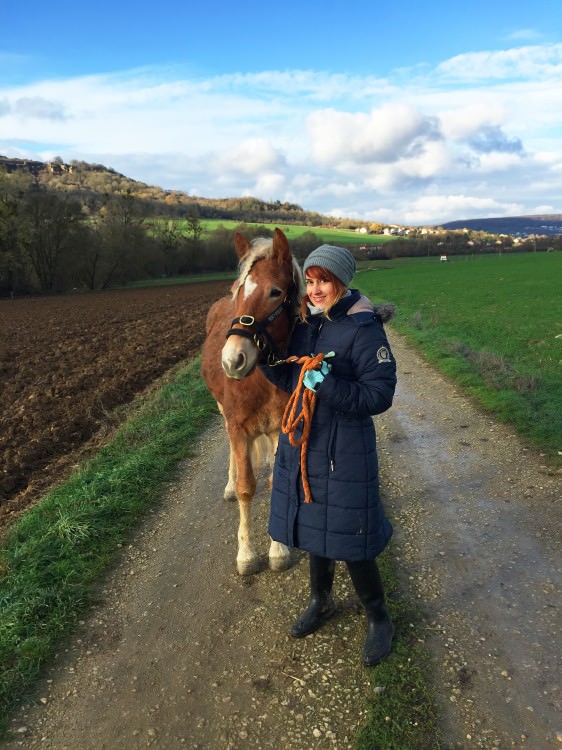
(262, 247)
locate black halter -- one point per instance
(256, 331)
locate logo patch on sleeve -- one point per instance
(383, 356)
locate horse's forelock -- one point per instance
(262, 247)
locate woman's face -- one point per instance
(321, 292)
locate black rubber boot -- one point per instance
(321, 606)
(380, 630)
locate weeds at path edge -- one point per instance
(54, 554)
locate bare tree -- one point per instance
(47, 233)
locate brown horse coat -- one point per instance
(251, 406)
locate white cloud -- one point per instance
(383, 135)
(547, 209)
(523, 35)
(271, 184)
(305, 181)
(480, 133)
(444, 208)
(498, 162)
(36, 107)
(520, 62)
(310, 85)
(251, 157)
(463, 121)
(434, 159)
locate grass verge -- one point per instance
(53, 555)
(402, 713)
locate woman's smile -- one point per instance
(321, 292)
(317, 299)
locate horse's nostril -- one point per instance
(241, 361)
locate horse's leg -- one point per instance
(230, 489)
(246, 559)
(279, 555)
(273, 438)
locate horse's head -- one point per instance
(266, 296)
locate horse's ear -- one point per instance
(281, 249)
(241, 245)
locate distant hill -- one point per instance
(516, 226)
(93, 184)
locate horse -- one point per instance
(252, 324)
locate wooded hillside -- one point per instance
(84, 226)
(91, 184)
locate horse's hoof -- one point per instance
(247, 567)
(230, 496)
(278, 564)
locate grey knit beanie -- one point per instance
(338, 260)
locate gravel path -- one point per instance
(478, 541)
(181, 652)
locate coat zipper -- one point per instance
(332, 447)
(314, 337)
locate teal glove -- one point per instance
(313, 378)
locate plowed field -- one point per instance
(67, 362)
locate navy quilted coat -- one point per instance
(346, 520)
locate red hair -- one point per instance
(316, 272)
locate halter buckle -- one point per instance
(260, 342)
(246, 320)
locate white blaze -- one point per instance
(249, 287)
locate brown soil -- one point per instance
(67, 362)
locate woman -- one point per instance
(345, 520)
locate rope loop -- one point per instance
(292, 420)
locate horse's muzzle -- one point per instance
(239, 358)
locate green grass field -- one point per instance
(345, 237)
(492, 323)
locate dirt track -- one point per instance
(181, 652)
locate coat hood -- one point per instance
(384, 311)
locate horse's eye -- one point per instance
(276, 293)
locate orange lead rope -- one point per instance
(291, 419)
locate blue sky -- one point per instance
(417, 113)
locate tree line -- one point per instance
(52, 242)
